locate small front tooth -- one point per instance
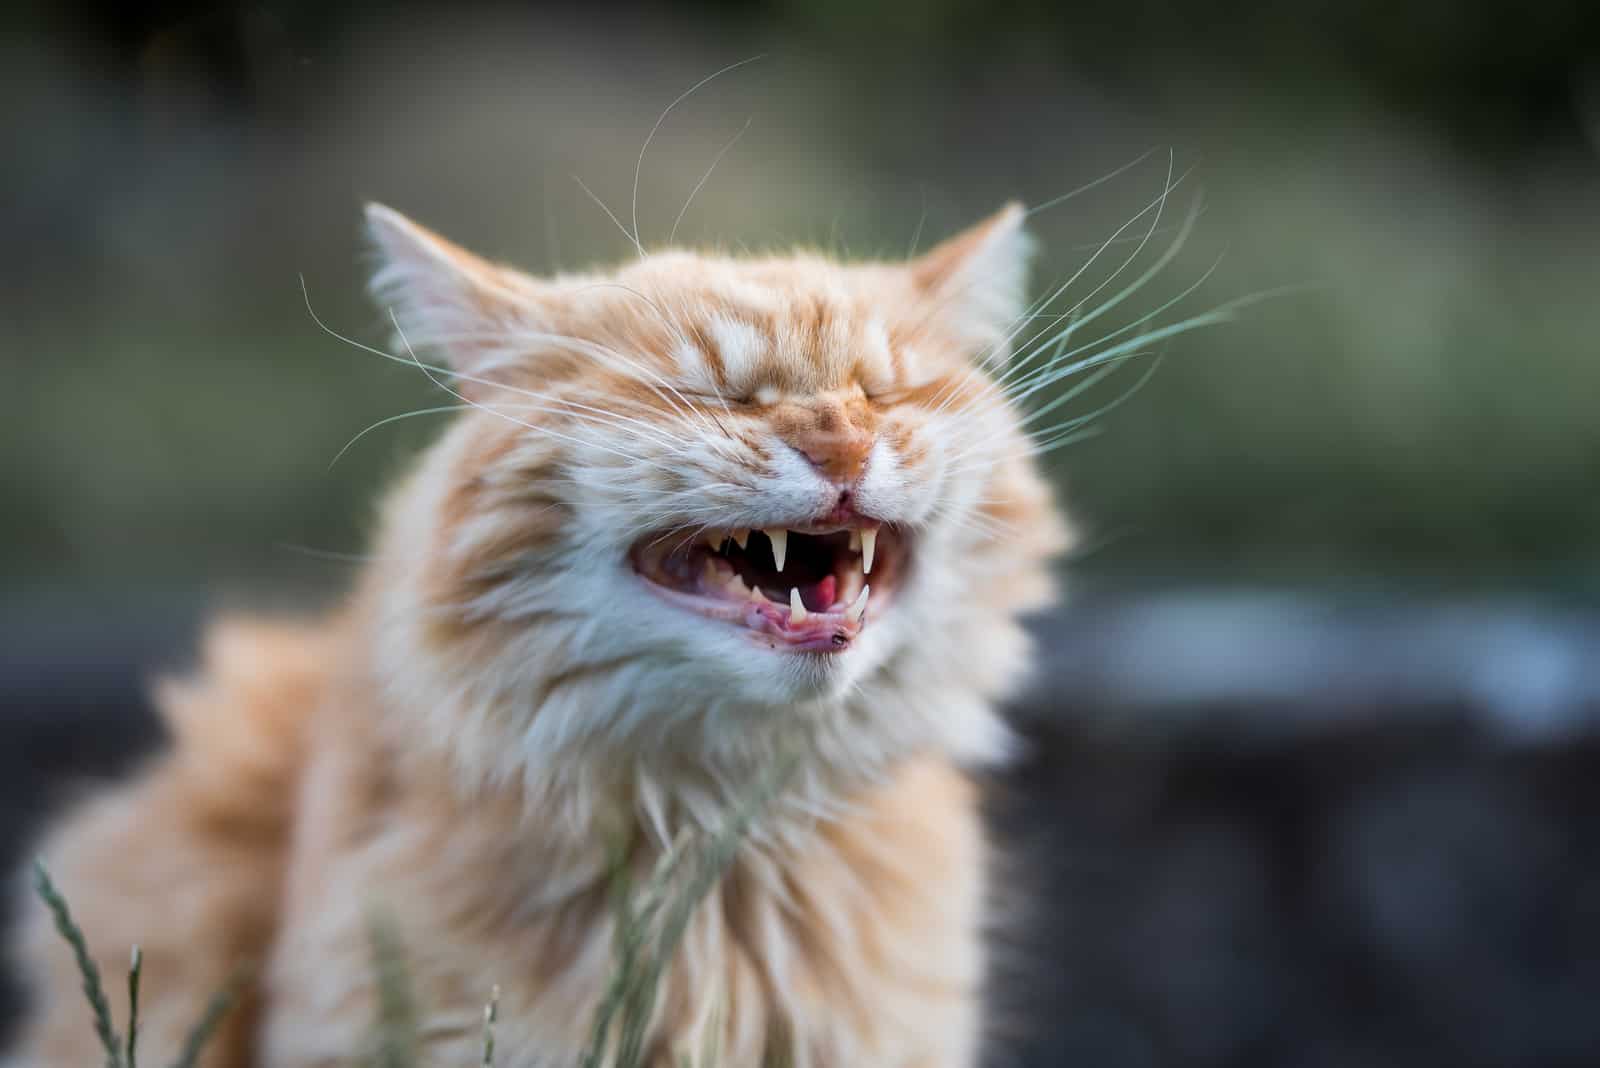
(859, 608)
(715, 539)
(855, 541)
(741, 536)
(780, 546)
(797, 607)
(869, 545)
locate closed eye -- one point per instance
(717, 398)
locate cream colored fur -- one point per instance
(501, 699)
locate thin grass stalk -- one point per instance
(217, 1009)
(491, 1013)
(135, 970)
(87, 969)
(395, 1044)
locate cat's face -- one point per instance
(701, 481)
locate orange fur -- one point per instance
(499, 704)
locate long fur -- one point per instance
(501, 700)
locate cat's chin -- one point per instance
(810, 589)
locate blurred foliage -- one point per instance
(1423, 415)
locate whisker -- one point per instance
(1155, 205)
(428, 369)
(529, 426)
(916, 235)
(1103, 179)
(392, 419)
(1013, 388)
(325, 554)
(609, 214)
(673, 236)
(638, 167)
(1054, 370)
(1159, 206)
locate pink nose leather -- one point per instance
(841, 454)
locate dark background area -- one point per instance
(1313, 775)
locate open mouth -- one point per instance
(810, 590)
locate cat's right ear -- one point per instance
(447, 300)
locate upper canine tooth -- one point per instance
(855, 541)
(797, 607)
(856, 610)
(740, 536)
(780, 546)
(869, 545)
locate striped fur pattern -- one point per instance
(502, 699)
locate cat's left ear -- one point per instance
(979, 278)
(448, 300)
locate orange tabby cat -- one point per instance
(696, 516)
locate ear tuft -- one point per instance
(980, 276)
(443, 296)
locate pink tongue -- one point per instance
(819, 598)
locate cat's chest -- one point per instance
(789, 944)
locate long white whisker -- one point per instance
(948, 394)
(638, 166)
(916, 235)
(429, 369)
(1159, 205)
(704, 178)
(1222, 313)
(609, 214)
(399, 332)
(1054, 370)
(392, 419)
(688, 408)
(1013, 387)
(1103, 179)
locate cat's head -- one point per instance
(654, 527)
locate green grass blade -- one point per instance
(395, 1038)
(491, 1013)
(217, 1009)
(92, 988)
(135, 970)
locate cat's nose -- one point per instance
(840, 454)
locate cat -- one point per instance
(699, 517)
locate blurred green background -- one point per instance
(1424, 418)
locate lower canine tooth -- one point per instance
(856, 610)
(780, 546)
(869, 545)
(797, 607)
